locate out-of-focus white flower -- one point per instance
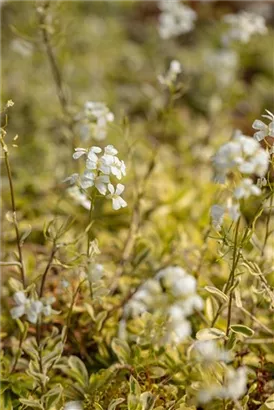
(72, 179)
(95, 272)
(170, 77)
(25, 306)
(73, 405)
(47, 308)
(246, 189)
(263, 129)
(22, 47)
(234, 386)
(244, 25)
(75, 193)
(98, 112)
(242, 153)
(79, 152)
(175, 19)
(117, 201)
(223, 64)
(217, 213)
(233, 210)
(209, 351)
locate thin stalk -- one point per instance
(267, 229)
(18, 242)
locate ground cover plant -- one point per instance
(137, 238)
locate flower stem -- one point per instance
(19, 244)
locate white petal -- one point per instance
(17, 311)
(259, 136)
(119, 189)
(116, 203)
(19, 298)
(111, 189)
(259, 125)
(101, 187)
(78, 154)
(122, 202)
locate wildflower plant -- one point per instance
(137, 266)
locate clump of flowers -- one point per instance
(100, 167)
(234, 386)
(30, 307)
(169, 79)
(97, 116)
(171, 294)
(209, 351)
(244, 25)
(245, 157)
(264, 130)
(175, 19)
(223, 64)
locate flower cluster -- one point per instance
(30, 307)
(245, 155)
(223, 64)
(170, 77)
(172, 293)
(175, 19)
(233, 388)
(99, 169)
(264, 130)
(244, 25)
(96, 119)
(209, 351)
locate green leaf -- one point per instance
(242, 330)
(268, 404)
(100, 320)
(53, 396)
(147, 400)
(114, 403)
(33, 404)
(217, 292)
(79, 370)
(210, 334)
(121, 349)
(90, 310)
(25, 235)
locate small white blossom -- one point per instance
(223, 64)
(170, 77)
(98, 112)
(209, 351)
(175, 19)
(246, 189)
(117, 201)
(244, 25)
(100, 182)
(217, 214)
(25, 306)
(263, 129)
(242, 153)
(79, 197)
(79, 152)
(73, 405)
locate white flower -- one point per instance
(223, 64)
(234, 387)
(235, 384)
(246, 189)
(171, 75)
(117, 201)
(100, 113)
(209, 351)
(242, 153)
(179, 331)
(263, 129)
(75, 193)
(100, 182)
(72, 179)
(73, 405)
(233, 210)
(92, 159)
(79, 152)
(175, 19)
(217, 214)
(25, 306)
(110, 164)
(244, 25)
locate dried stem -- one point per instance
(15, 222)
